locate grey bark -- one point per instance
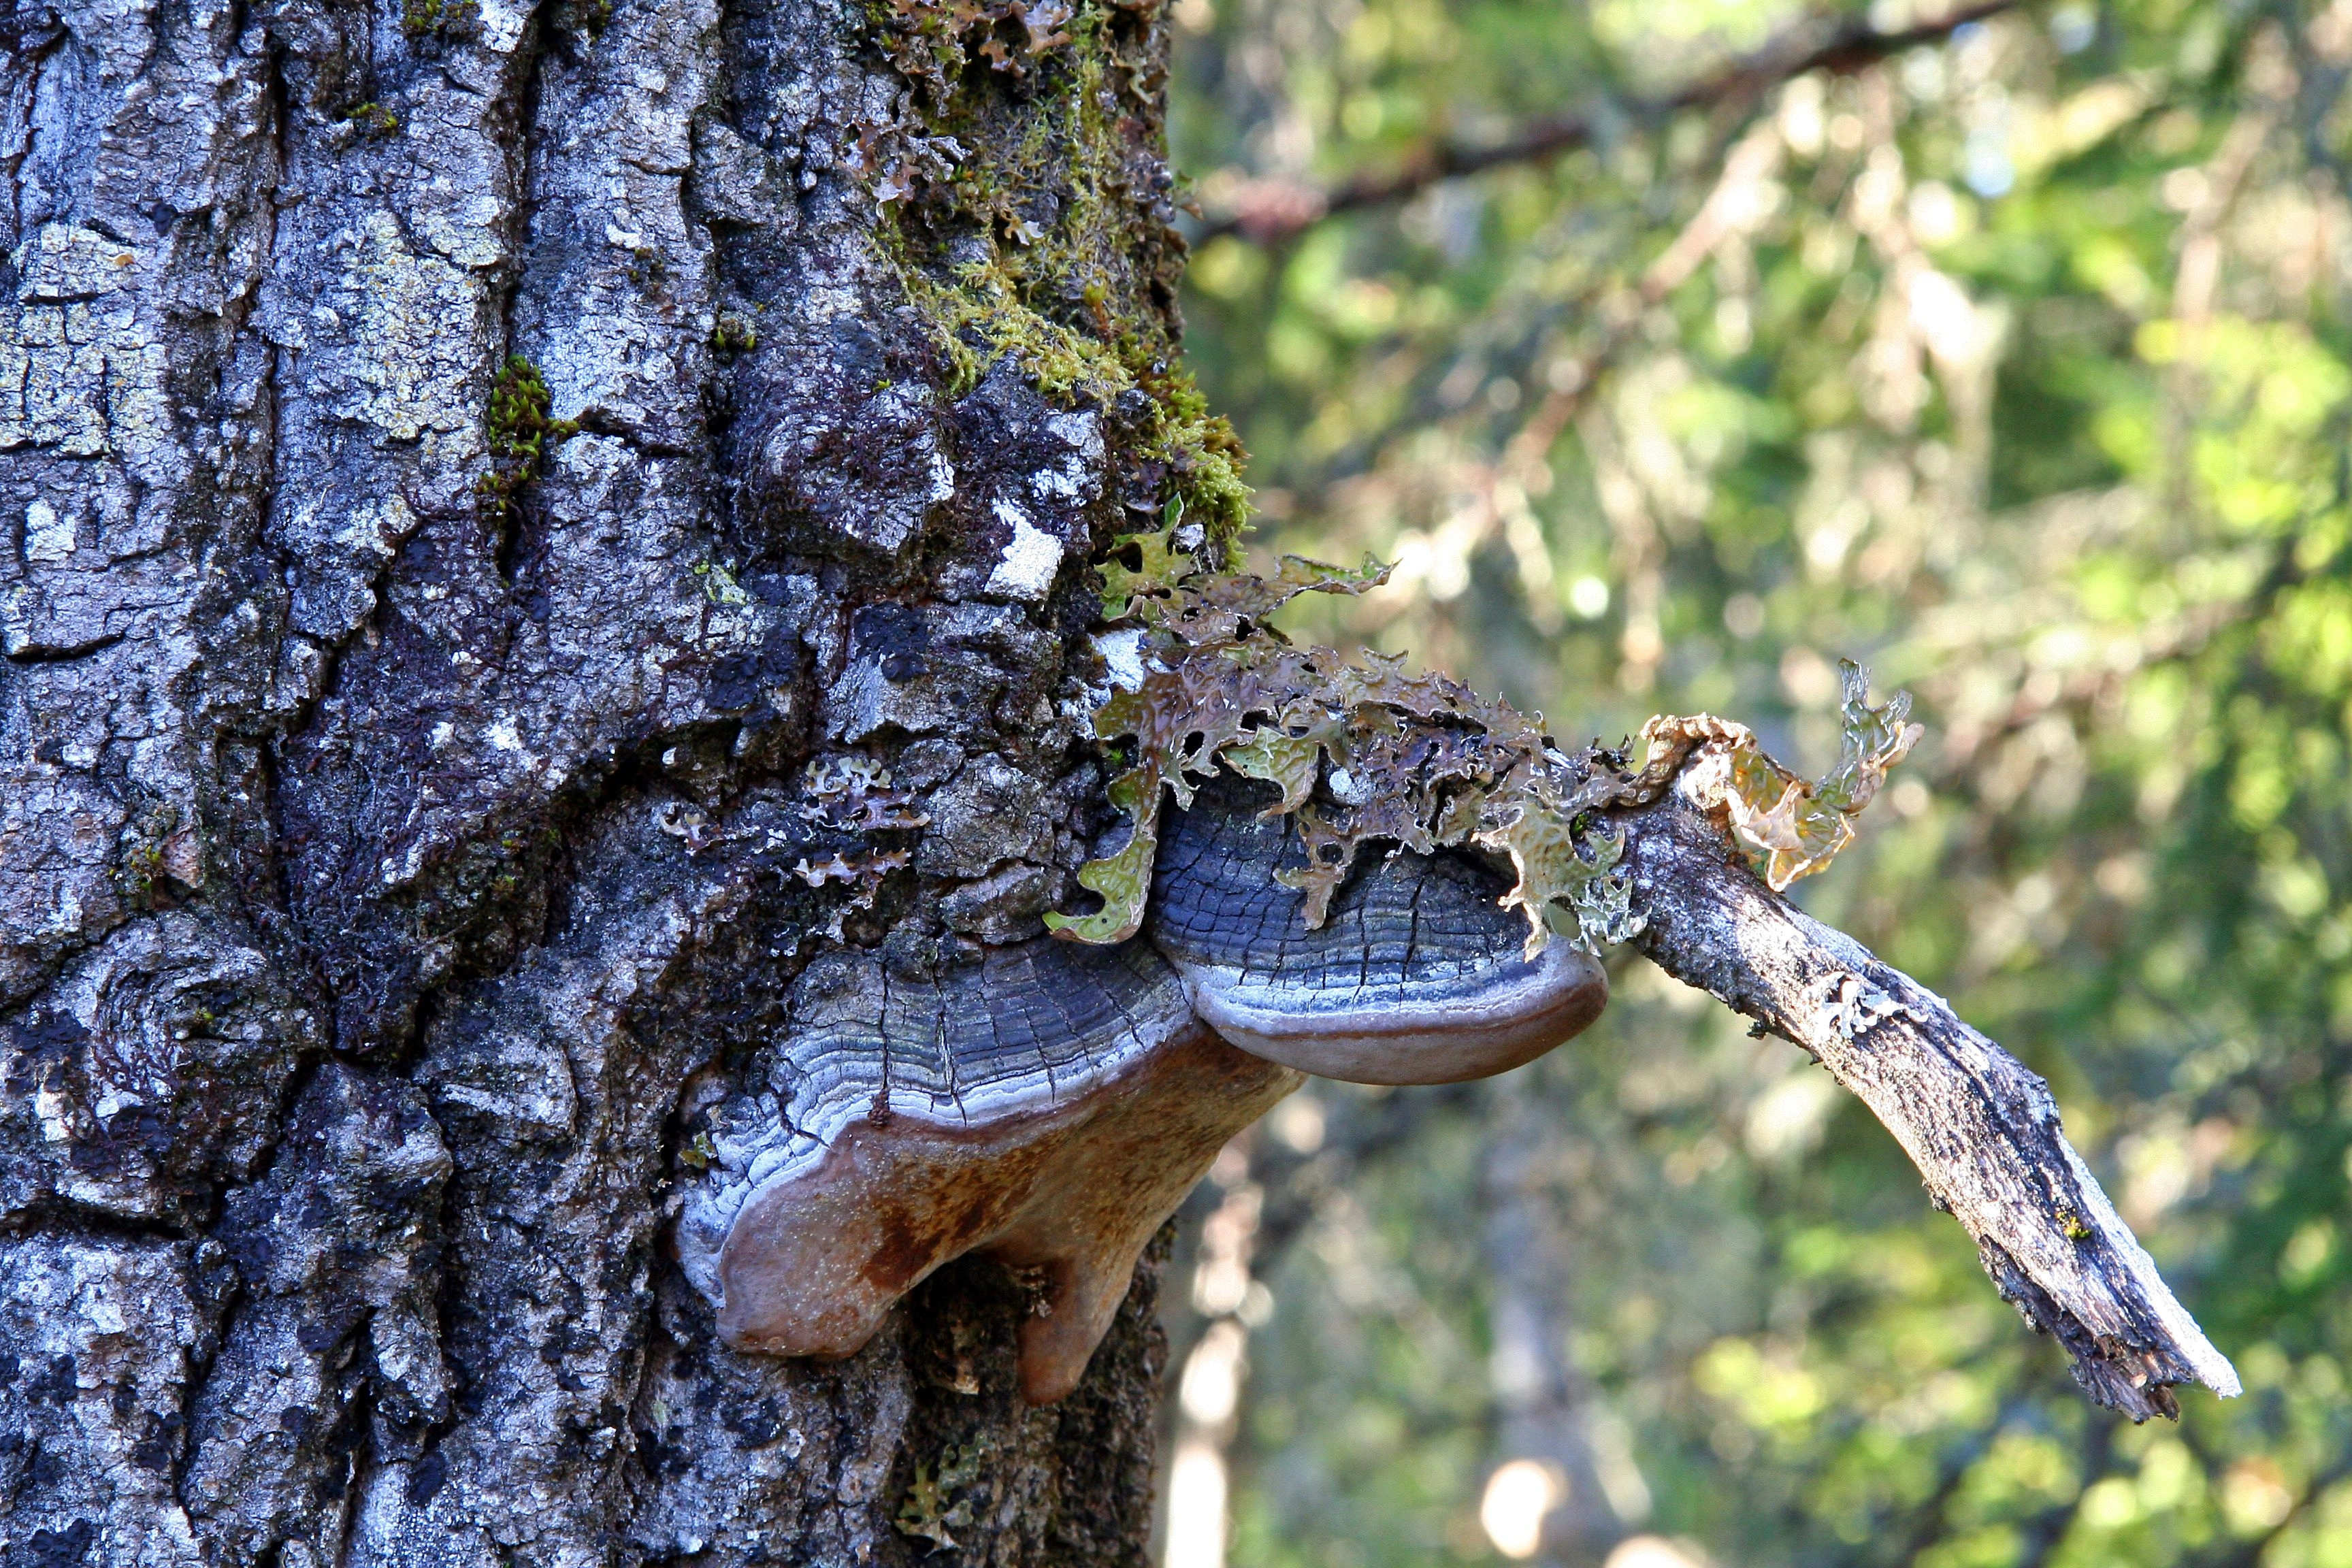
(392, 878)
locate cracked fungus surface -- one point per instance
(961, 1049)
(958, 1050)
(1422, 922)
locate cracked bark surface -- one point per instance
(390, 882)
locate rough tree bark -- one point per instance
(463, 458)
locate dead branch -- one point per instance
(1979, 1125)
(1274, 210)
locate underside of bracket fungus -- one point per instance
(1049, 1108)
(1328, 895)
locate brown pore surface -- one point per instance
(1068, 1195)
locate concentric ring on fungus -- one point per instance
(1417, 975)
(1050, 1106)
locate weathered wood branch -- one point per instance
(1981, 1126)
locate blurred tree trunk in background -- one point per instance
(463, 460)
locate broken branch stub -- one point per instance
(1977, 1123)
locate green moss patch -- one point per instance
(519, 435)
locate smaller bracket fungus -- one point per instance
(1049, 1108)
(1416, 974)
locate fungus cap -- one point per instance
(1049, 1107)
(1417, 975)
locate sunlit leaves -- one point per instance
(2114, 564)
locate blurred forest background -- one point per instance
(1674, 349)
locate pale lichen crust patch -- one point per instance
(405, 375)
(79, 370)
(1363, 753)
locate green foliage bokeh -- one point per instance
(2017, 366)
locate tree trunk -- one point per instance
(478, 475)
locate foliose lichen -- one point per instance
(1793, 828)
(940, 1499)
(931, 43)
(1363, 753)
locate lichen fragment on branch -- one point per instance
(1362, 751)
(1789, 827)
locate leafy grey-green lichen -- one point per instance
(1360, 750)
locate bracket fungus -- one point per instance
(1051, 1105)
(1415, 974)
